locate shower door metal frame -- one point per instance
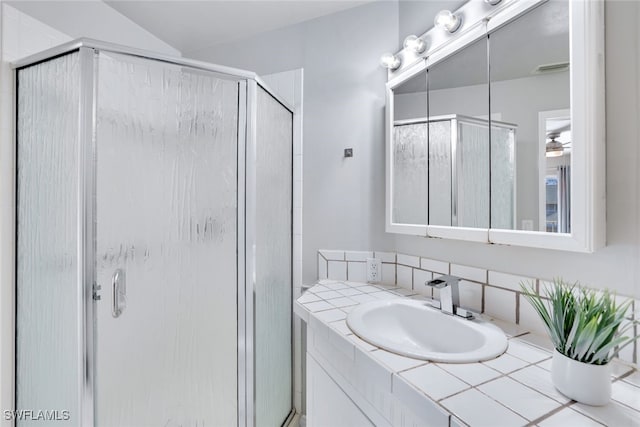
(248, 83)
(87, 271)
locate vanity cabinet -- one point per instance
(328, 404)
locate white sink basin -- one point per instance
(412, 328)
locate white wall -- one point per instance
(22, 35)
(343, 108)
(344, 198)
(617, 266)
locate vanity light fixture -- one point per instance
(447, 21)
(492, 2)
(390, 61)
(415, 44)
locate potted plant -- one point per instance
(586, 329)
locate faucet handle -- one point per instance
(463, 312)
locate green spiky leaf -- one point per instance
(583, 324)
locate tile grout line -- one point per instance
(550, 413)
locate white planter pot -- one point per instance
(582, 382)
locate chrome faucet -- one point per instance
(449, 295)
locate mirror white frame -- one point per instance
(588, 201)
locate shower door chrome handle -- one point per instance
(119, 293)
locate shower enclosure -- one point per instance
(441, 171)
(154, 217)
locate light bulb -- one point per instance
(390, 61)
(447, 21)
(555, 153)
(415, 44)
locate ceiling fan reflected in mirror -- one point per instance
(555, 148)
(558, 139)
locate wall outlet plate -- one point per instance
(374, 270)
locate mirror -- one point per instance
(459, 139)
(496, 134)
(410, 162)
(529, 79)
(554, 200)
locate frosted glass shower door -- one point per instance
(472, 175)
(47, 282)
(273, 301)
(410, 170)
(166, 227)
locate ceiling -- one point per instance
(191, 25)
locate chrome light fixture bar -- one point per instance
(458, 26)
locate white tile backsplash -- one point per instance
(357, 271)
(530, 317)
(357, 255)
(469, 273)
(322, 267)
(470, 295)
(385, 256)
(410, 260)
(337, 270)
(420, 277)
(405, 276)
(509, 281)
(388, 274)
(435, 266)
(500, 303)
(332, 255)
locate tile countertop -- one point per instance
(513, 389)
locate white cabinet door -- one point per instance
(327, 404)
